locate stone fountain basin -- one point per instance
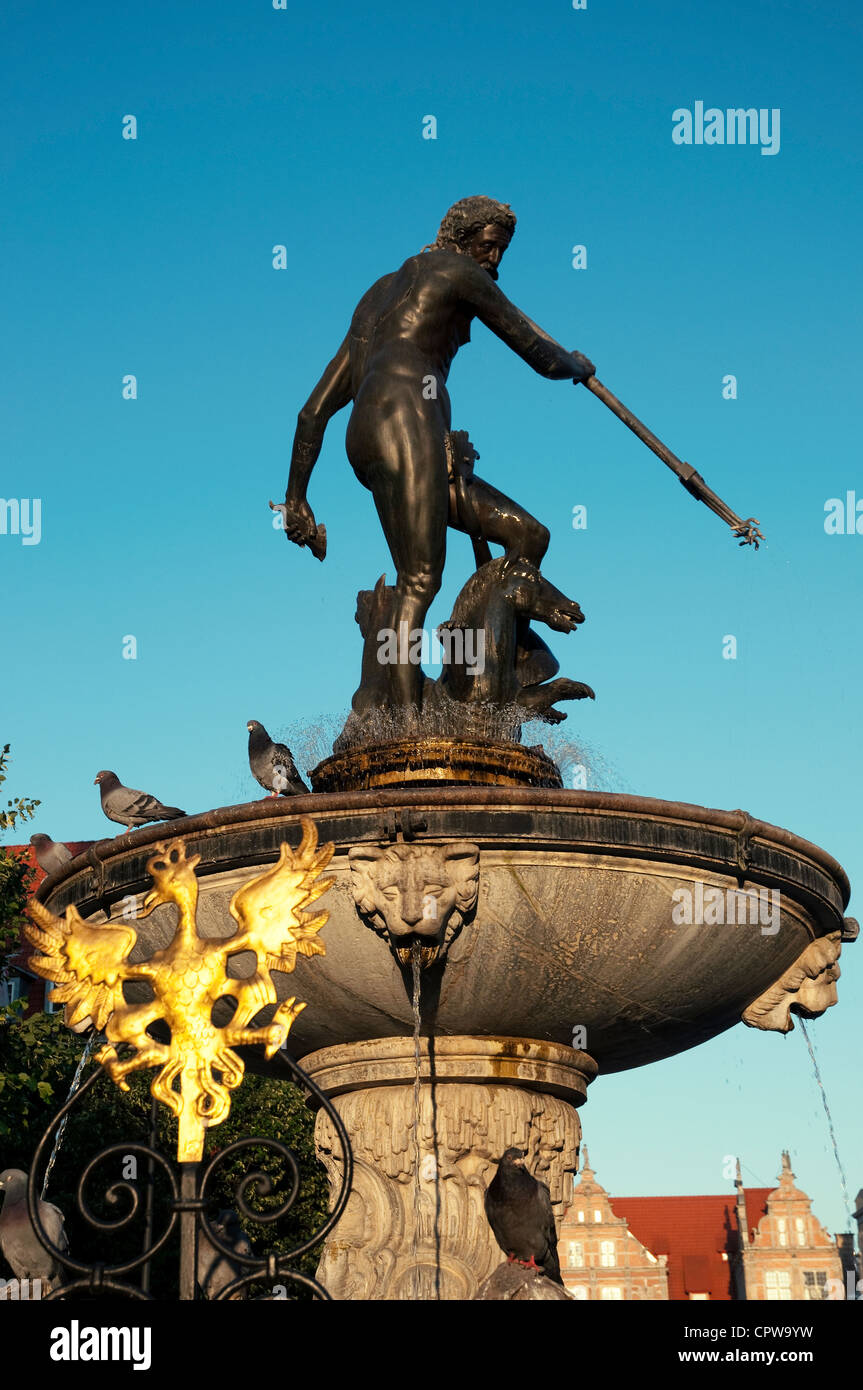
(573, 926)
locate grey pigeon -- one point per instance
(272, 764)
(18, 1241)
(50, 856)
(129, 807)
(521, 1216)
(216, 1270)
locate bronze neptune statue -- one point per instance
(392, 367)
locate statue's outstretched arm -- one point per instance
(498, 313)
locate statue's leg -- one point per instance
(408, 480)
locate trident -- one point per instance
(746, 529)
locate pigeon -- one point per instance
(521, 1217)
(272, 764)
(129, 807)
(216, 1270)
(50, 856)
(18, 1241)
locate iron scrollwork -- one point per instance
(189, 1187)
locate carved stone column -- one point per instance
(415, 1225)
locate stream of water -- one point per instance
(842, 1179)
(76, 1082)
(416, 966)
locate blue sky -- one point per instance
(303, 127)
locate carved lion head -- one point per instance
(413, 892)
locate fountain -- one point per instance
(494, 940)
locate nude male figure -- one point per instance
(393, 364)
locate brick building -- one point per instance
(789, 1255)
(755, 1244)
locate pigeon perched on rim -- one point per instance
(50, 855)
(272, 764)
(20, 1245)
(129, 807)
(521, 1216)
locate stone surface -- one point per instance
(415, 1226)
(408, 891)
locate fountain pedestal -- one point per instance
(415, 1224)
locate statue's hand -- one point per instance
(299, 521)
(583, 367)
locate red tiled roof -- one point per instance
(693, 1232)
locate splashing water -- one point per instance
(311, 742)
(842, 1179)
(416, 966)
(580, 763)
(76, 1082)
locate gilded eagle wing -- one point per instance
(269, 909)
(86, 961)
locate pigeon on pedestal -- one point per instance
(521, 1216)
(129, 807)
(50, 855)
(20, 1245)
(215, 1270)
(272, 764)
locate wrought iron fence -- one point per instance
(190, 1187)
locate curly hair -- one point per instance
(468, 216)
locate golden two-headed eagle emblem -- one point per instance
(89, 964)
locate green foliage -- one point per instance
(38, 1057)
(37, 1054)
(268, 1108)
(18, 809)
(15, 879)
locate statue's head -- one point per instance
(479, 227)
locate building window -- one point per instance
(800, 1226)
(606, 1257)
(581, 1215)
(10, 990)
(611, 1292)
(13, 988)
(597, 1215)
(574, 1254)
(815, 1283)
(782, 1227)
(698, 1297)
(778, 1285)
(579, 1291)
